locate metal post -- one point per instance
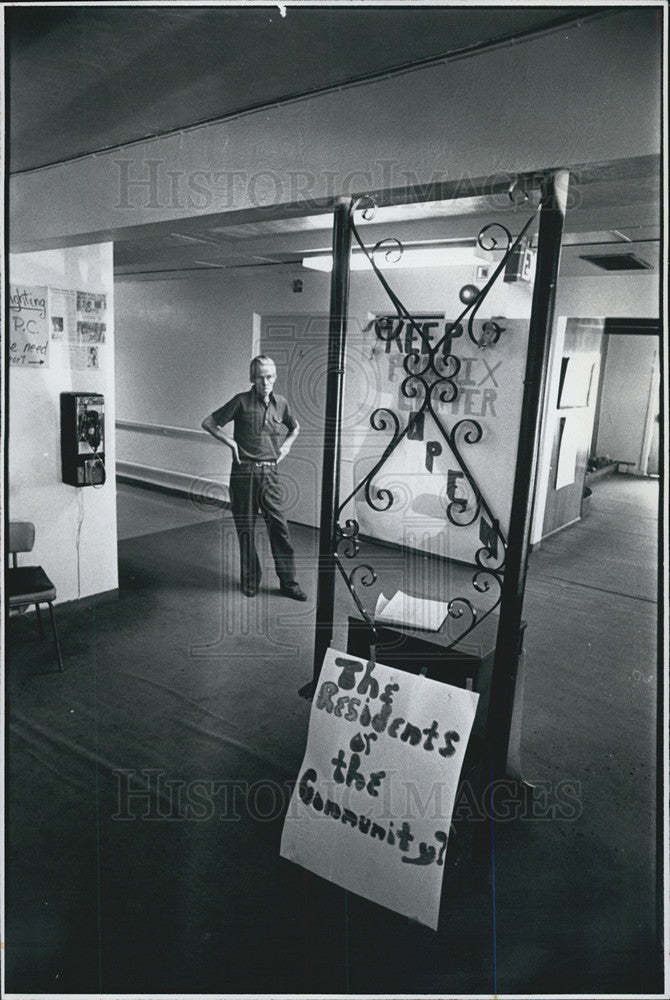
(330, 478)
(554, 188)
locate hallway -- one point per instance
(179, 682)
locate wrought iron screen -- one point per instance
(429, 385)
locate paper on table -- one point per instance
(413, 612)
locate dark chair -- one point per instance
(28, 585)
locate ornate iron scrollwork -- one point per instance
(430, 378)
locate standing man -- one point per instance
(259, 418)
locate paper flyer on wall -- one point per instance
(566, 469)
(92, 305)
(372, 806)
(28, 327)
(91, 316)
(83, 356)
(62, 307)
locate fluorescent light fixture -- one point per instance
(412, 257)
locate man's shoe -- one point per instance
(249, 591)
(294, 591)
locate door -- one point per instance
(573, 422)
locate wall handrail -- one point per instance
(164, 429)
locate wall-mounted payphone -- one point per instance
(82, 442)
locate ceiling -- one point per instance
(615, 210)
(88, 78)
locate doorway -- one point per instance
(626, 424)
(573, 420)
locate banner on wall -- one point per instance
(423, 473)
(28, 326)
(373, 803)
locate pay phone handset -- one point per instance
(90, 429)
(82, 438)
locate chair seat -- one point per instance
(28, 585)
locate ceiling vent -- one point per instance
(616, 261)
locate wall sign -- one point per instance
(28, 326)
(372, 806)
(423, 473)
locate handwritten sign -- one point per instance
(372, 806)
(28, 326)
(400, 337)
(423, 473)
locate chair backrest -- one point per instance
(20, 537)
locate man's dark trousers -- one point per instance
(255, 486)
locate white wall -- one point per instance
(627, 382)
(611, 295)
(184, 344)
(584, 94)
(75, 527)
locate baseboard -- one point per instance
(173, 491)
(91, 600)
(179, 484)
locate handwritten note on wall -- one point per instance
(28, 326)
(372, 807)
(423, 473)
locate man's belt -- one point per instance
(257, 465)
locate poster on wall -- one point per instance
(566, 467)
(90, 333)
(576, 381)
(425, 474)
(78, 321)
(380, 743)
(92, 305)
(91, 313)
(62, 308)
(28, 326)
(83, 356)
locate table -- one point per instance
(467, 664)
